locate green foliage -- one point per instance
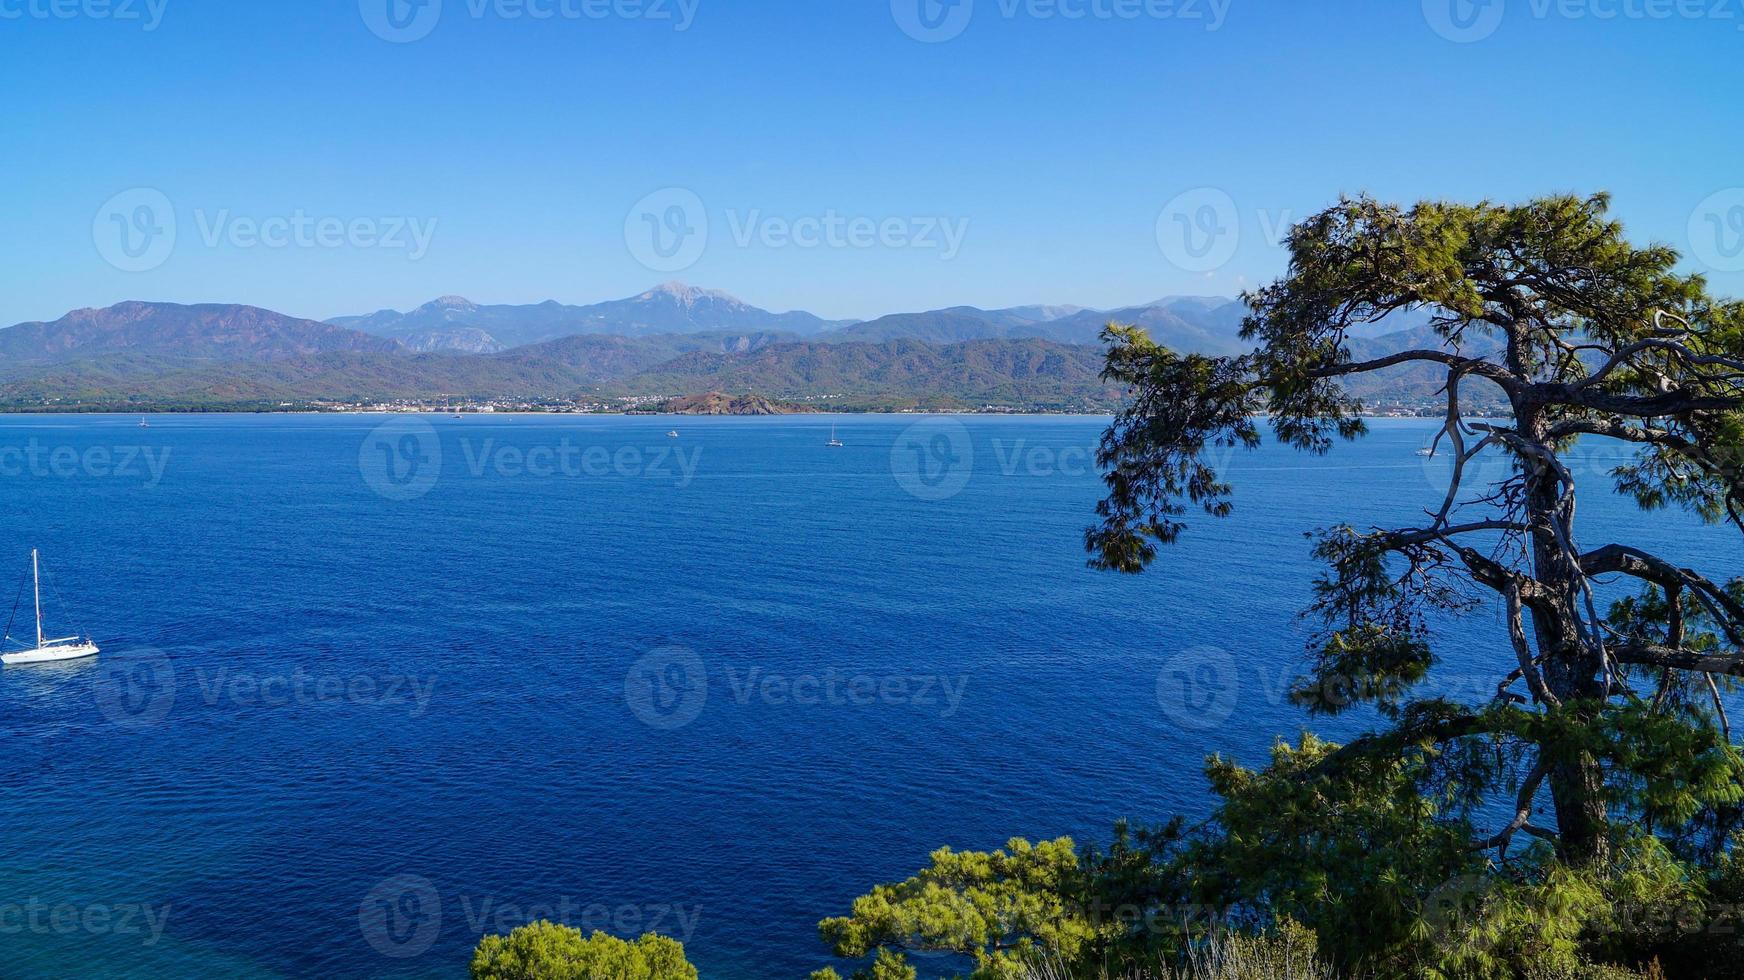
(546, 951)
(1605, 746)
(1288, 951)
(1348, 853)
(1147, 488)
(997, 909)
(1583, 820)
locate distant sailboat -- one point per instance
(673, 434)
(144, 424)
(46, 650)
(834, 443)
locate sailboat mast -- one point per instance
(36, 574)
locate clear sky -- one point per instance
(850, 157)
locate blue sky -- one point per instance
(837, 163)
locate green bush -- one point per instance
(546, 951)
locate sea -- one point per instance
(373, 687)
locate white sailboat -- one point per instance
(46, 650)
(834, 443)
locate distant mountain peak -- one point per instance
(689, 295)
(452, 303)
(215, 331)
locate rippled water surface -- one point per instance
(367, 694)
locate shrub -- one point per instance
(546, 951)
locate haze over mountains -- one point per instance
(453, 323)
(671, 340)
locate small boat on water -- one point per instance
(46, 650)
(1426, 451)
(834, 443)
(144, 424)
(673, 434)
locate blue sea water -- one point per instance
(371, 688)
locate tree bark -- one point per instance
(1571, 672)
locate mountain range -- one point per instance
(454, 323)
(672, 340)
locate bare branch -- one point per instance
(1653, 655)
(1522, 810)
(1495, 372)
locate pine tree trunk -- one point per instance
(1570, 672)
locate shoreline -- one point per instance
(1026, 413)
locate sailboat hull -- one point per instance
(51, 654)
